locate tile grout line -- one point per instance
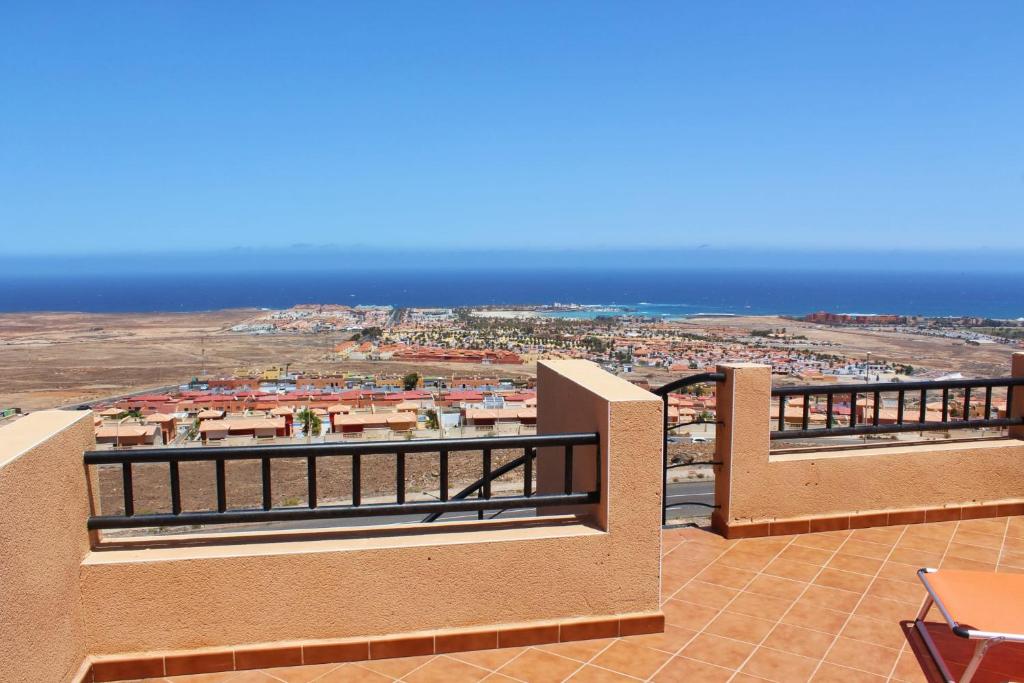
(409, 673)
(945, 554)
(592, 658)
(722, 609)
(810, 628)
(687, 583)
(675, 592)
(1002, 545)
(874, 577)
(393, 678)
(338, 665)
(795, 600)
(906, 643)
(692, 578)
(877, 575)
(673, 655)
(494, 671)
(439, 656)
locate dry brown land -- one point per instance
(936, 353)
(924, 352)
(57, 359)
(54, 359)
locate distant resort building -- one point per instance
(825, 318)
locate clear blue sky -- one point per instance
(146, 125)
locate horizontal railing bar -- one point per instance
(698, 422)
(687, 381)
(893, 428)
(145, 455)
(340, 511)
(822, 389)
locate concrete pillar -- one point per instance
(1017, 407)
(43, 539)
(578, 396)
(742, 440)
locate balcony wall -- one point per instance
(42, 543)
(763, 493)
(368, 583)
(210, 597)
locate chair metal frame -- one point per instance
(986, 639)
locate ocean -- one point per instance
(662, 292)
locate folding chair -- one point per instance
(982, 606)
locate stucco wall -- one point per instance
(755, 486)
(365, 585)
(574, 395)
(43, 509)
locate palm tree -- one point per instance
(310, 422)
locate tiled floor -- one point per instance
(829, 606)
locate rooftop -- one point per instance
(831, 606)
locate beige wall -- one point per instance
(362, 584)
(42, 542)
(754, 486)
(576, 395)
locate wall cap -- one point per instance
(742, 366)
(594, 378)
(34, 429)
(440, 534)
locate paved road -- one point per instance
(681, 492)
(163, 389)
(682, 495)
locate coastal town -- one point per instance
(379, 372)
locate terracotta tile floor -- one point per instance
(830, 606)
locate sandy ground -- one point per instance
(56, 359)
(925, 352)
(945, 355)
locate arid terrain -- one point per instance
(938, 353)
(58, 359)
(925, 352)
(61, 359)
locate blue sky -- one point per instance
(141, 126)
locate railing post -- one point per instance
(1016, 407)
(664, 460)
(742, 439)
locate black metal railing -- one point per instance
(356, 452)
(664, 391)
(958, 399)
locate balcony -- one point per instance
(807, 571)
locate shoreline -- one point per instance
(519, 310)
